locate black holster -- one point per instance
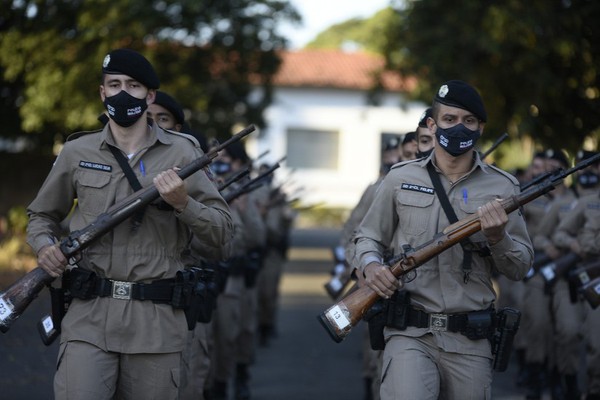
(252, 266)
(508, 320)
(376, 317)
(398, 310)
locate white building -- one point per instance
(321, 120)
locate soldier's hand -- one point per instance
(493, 220)
(172, 188)
(379, 278)
(52, 260)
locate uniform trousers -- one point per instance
(88, 372)
(226, 329)
(195, 363)
(511, 295)
(568, 318)
(536, 321)
(371, 364)
(592, 339)
(268, 288)
(416, 368)
(246, 342)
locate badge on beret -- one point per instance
(106, 61)
(423, 115)
(443, 91)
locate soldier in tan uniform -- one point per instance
(278, 221)
(195, 359)
(428, 354)
(547, 305)
(113, 343)
(578, 232)
(512, 293)
(235, 318)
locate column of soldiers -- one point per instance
(220, 352)
(550, 341)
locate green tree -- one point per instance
(535, 62)
(207, 54)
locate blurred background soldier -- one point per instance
(278, 220)
(235, 318)
(547, 307)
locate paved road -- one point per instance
(302, 363)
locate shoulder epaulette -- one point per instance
(506, 174)
(189, 137)
(403, 163)
(77, 135)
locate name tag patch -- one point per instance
(417, 188)
(96, 166)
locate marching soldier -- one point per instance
(426, 356)
(115, 343)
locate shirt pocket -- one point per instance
(470, 208)
(414, 211)
(92, 191)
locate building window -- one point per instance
(311, 148)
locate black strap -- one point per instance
(135, 184)
(452, 218)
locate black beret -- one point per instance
(163, 99)
(460, 94)
(423, 120)
(558, 155)
(132, 63)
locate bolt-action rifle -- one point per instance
(497, 143)
(340, 318)
(252, 184)
(15, 299)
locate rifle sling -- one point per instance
(135, 184)
(452, 218)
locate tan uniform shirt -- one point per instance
(555, 212)
(589, 237)
(407, 211)
(571, 224)
(86, 170)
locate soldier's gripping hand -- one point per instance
(379, 278)
(52, 260)
(493, 220)
(172, 188)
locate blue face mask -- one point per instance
(219, 167)
(588, 179)
(457, 140)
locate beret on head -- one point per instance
(423, 120)
(166, 101)
(132, 63)
(460, 94)
(558, 155)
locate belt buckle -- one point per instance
(438, 322)
(121, 290)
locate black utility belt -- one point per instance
(86, 285)
(475, 325)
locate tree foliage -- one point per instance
(206, 53)
(535, 62)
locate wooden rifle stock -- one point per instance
(340, 318)
(17, 297)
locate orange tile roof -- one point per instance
(336, 69)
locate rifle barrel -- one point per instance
(17, 297)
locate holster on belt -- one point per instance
(508, 320)
(376, 317)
